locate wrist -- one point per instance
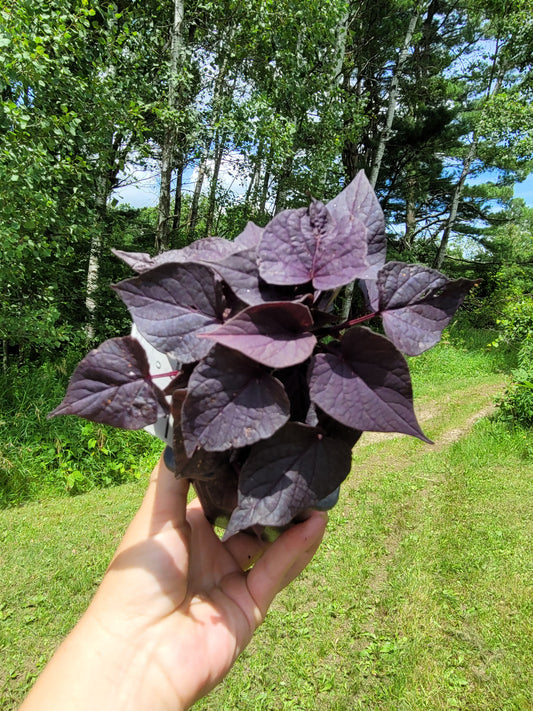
(106, 667)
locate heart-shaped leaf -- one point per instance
(250, 237)
(284, 475)
(232, 401)
(139, 261)
(202, 465)
(365, 384)
(309, 245)
(111, 385)
(210, 249)
(356, 204)
(171, 304)
(275, 334)
(416, 303)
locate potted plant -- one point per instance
(274, 388)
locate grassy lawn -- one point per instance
(419, 598)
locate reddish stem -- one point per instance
(347, 324)
(172, 374)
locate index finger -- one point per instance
(164, 506)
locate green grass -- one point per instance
(419, 598)
(64, 456)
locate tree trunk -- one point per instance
(266, 181)
(469, 159)
(167, 152)
(250, 198)
(393, 98)
(162, 231)
(454, 205)
(218, 155)
(110, 162)
(4, 355)
(95, 255)
(385, 134)
(193, 214)
(283, 184)
(410, 213)
(176, 218)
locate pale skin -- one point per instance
(174, 610)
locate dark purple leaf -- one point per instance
(111, 385)
(218, 496)
(139, 261)
(275, 334)
(365, 384)
(417, 303)
(232, 402)
(250, 237)
(333, 428)
(294, 381)
(370, 293)
(171, 304)
(241, 274)
(202, 464)
(203, 251)
(210, 249)
(308, 245)
(181, 380)
(358, 203)
(286, 474)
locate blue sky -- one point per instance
(525, 190)
(144, 192)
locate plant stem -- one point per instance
(346, 324)
(172, 374)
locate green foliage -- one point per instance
(516, 333)
(516, 323)
(41, 458)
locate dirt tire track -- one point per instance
(432, 410)
(485, 395)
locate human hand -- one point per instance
(174, 610)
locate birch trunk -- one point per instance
(385, 134)
(167, 153)
(95, 255)
(193, 214)
(266, 181)
(218, 154)
(393, 98)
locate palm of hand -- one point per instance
(185, 593)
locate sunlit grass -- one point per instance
(419, 598)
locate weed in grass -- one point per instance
(42, 458)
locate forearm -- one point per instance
(96, 669)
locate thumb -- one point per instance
(284, 560)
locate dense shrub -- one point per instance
(516, 333)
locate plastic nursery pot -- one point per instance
(218, 497)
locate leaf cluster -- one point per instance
(274, 389)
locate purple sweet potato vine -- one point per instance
(274, 390)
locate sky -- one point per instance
(144, 188)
